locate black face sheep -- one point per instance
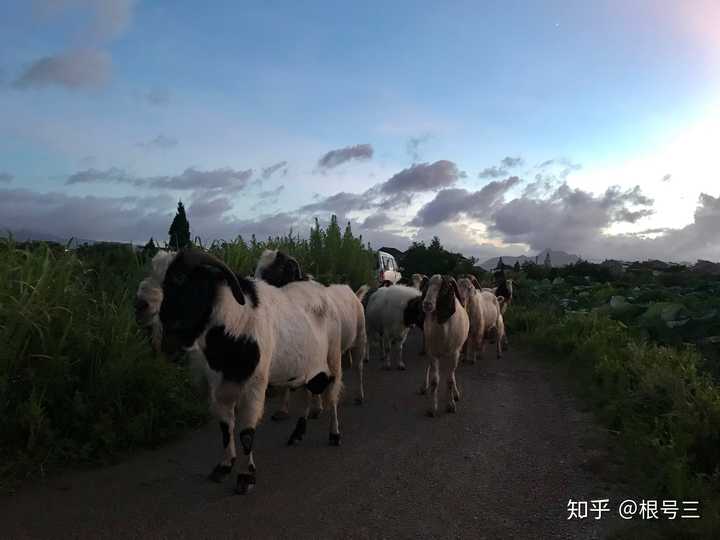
(248, 334)
(446, 328)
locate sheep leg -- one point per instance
(500, 336)
(225, 411)
(386, 351)
(283, 413)
(301, 426)
(434, 371)
(317, 408)
(426, 382)
(249, 411)
(332, 394)
(453, 390)
(399, 346)
(358, 352)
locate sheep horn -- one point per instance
(194, 258)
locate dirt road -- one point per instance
(504, 466)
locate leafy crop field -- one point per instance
(642, 348)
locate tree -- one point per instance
(516, 267)
(548, 263)
(500, 264)
(179, 229)
(150, 249)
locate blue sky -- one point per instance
(102, 99)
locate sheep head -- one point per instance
(277, 268)
(189, 290)
(440, 297)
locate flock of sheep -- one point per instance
(284, 330)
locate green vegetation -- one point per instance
(641, 353)
(78, 379)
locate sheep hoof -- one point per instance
(359, 400)
(315, 413)
(280, 415)
(367, 360)
(219, 473)
(386, 367)
(401, 367)
(245, 483)
(299, 432)
(334, 439)
(430, 413)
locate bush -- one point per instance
(666, 409)
(78, 381)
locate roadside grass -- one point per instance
(663, 406)
(78, 380)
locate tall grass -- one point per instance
(78, 381)
(664, 407)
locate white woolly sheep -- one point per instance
(485, 314)
(248, 334)
(385, 321)
(280, 269)
(446, 329)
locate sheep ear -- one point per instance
(292, 271)
(500, 299)
(445, 305)
(475, 282)
(456, 290)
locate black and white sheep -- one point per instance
(279, 269)
(247, 334)
(446, 328)
(385, 319)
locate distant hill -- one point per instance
(26, 235)
(557, 258)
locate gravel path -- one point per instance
(504, 466)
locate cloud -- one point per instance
(450, 204)
(422, 177)
(213, 207)
(511, 162)
(340, 203)
(337, 157)
(160, 142)
(376, 221)
(227, 179)
(6, 178)
(158, 97)
(492, 172)
(272, 193)
(191, 178)
(569, 219)
(267, 172)
(666, 177)
(110, 18)
(506, 164)
(87, 68)
(113, 174)
(413, 146)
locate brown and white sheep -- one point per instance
(446, 329)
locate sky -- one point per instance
(504, 128)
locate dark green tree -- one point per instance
(516, 267)
(180, 229)
(150, 249)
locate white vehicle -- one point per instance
(388, 269)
